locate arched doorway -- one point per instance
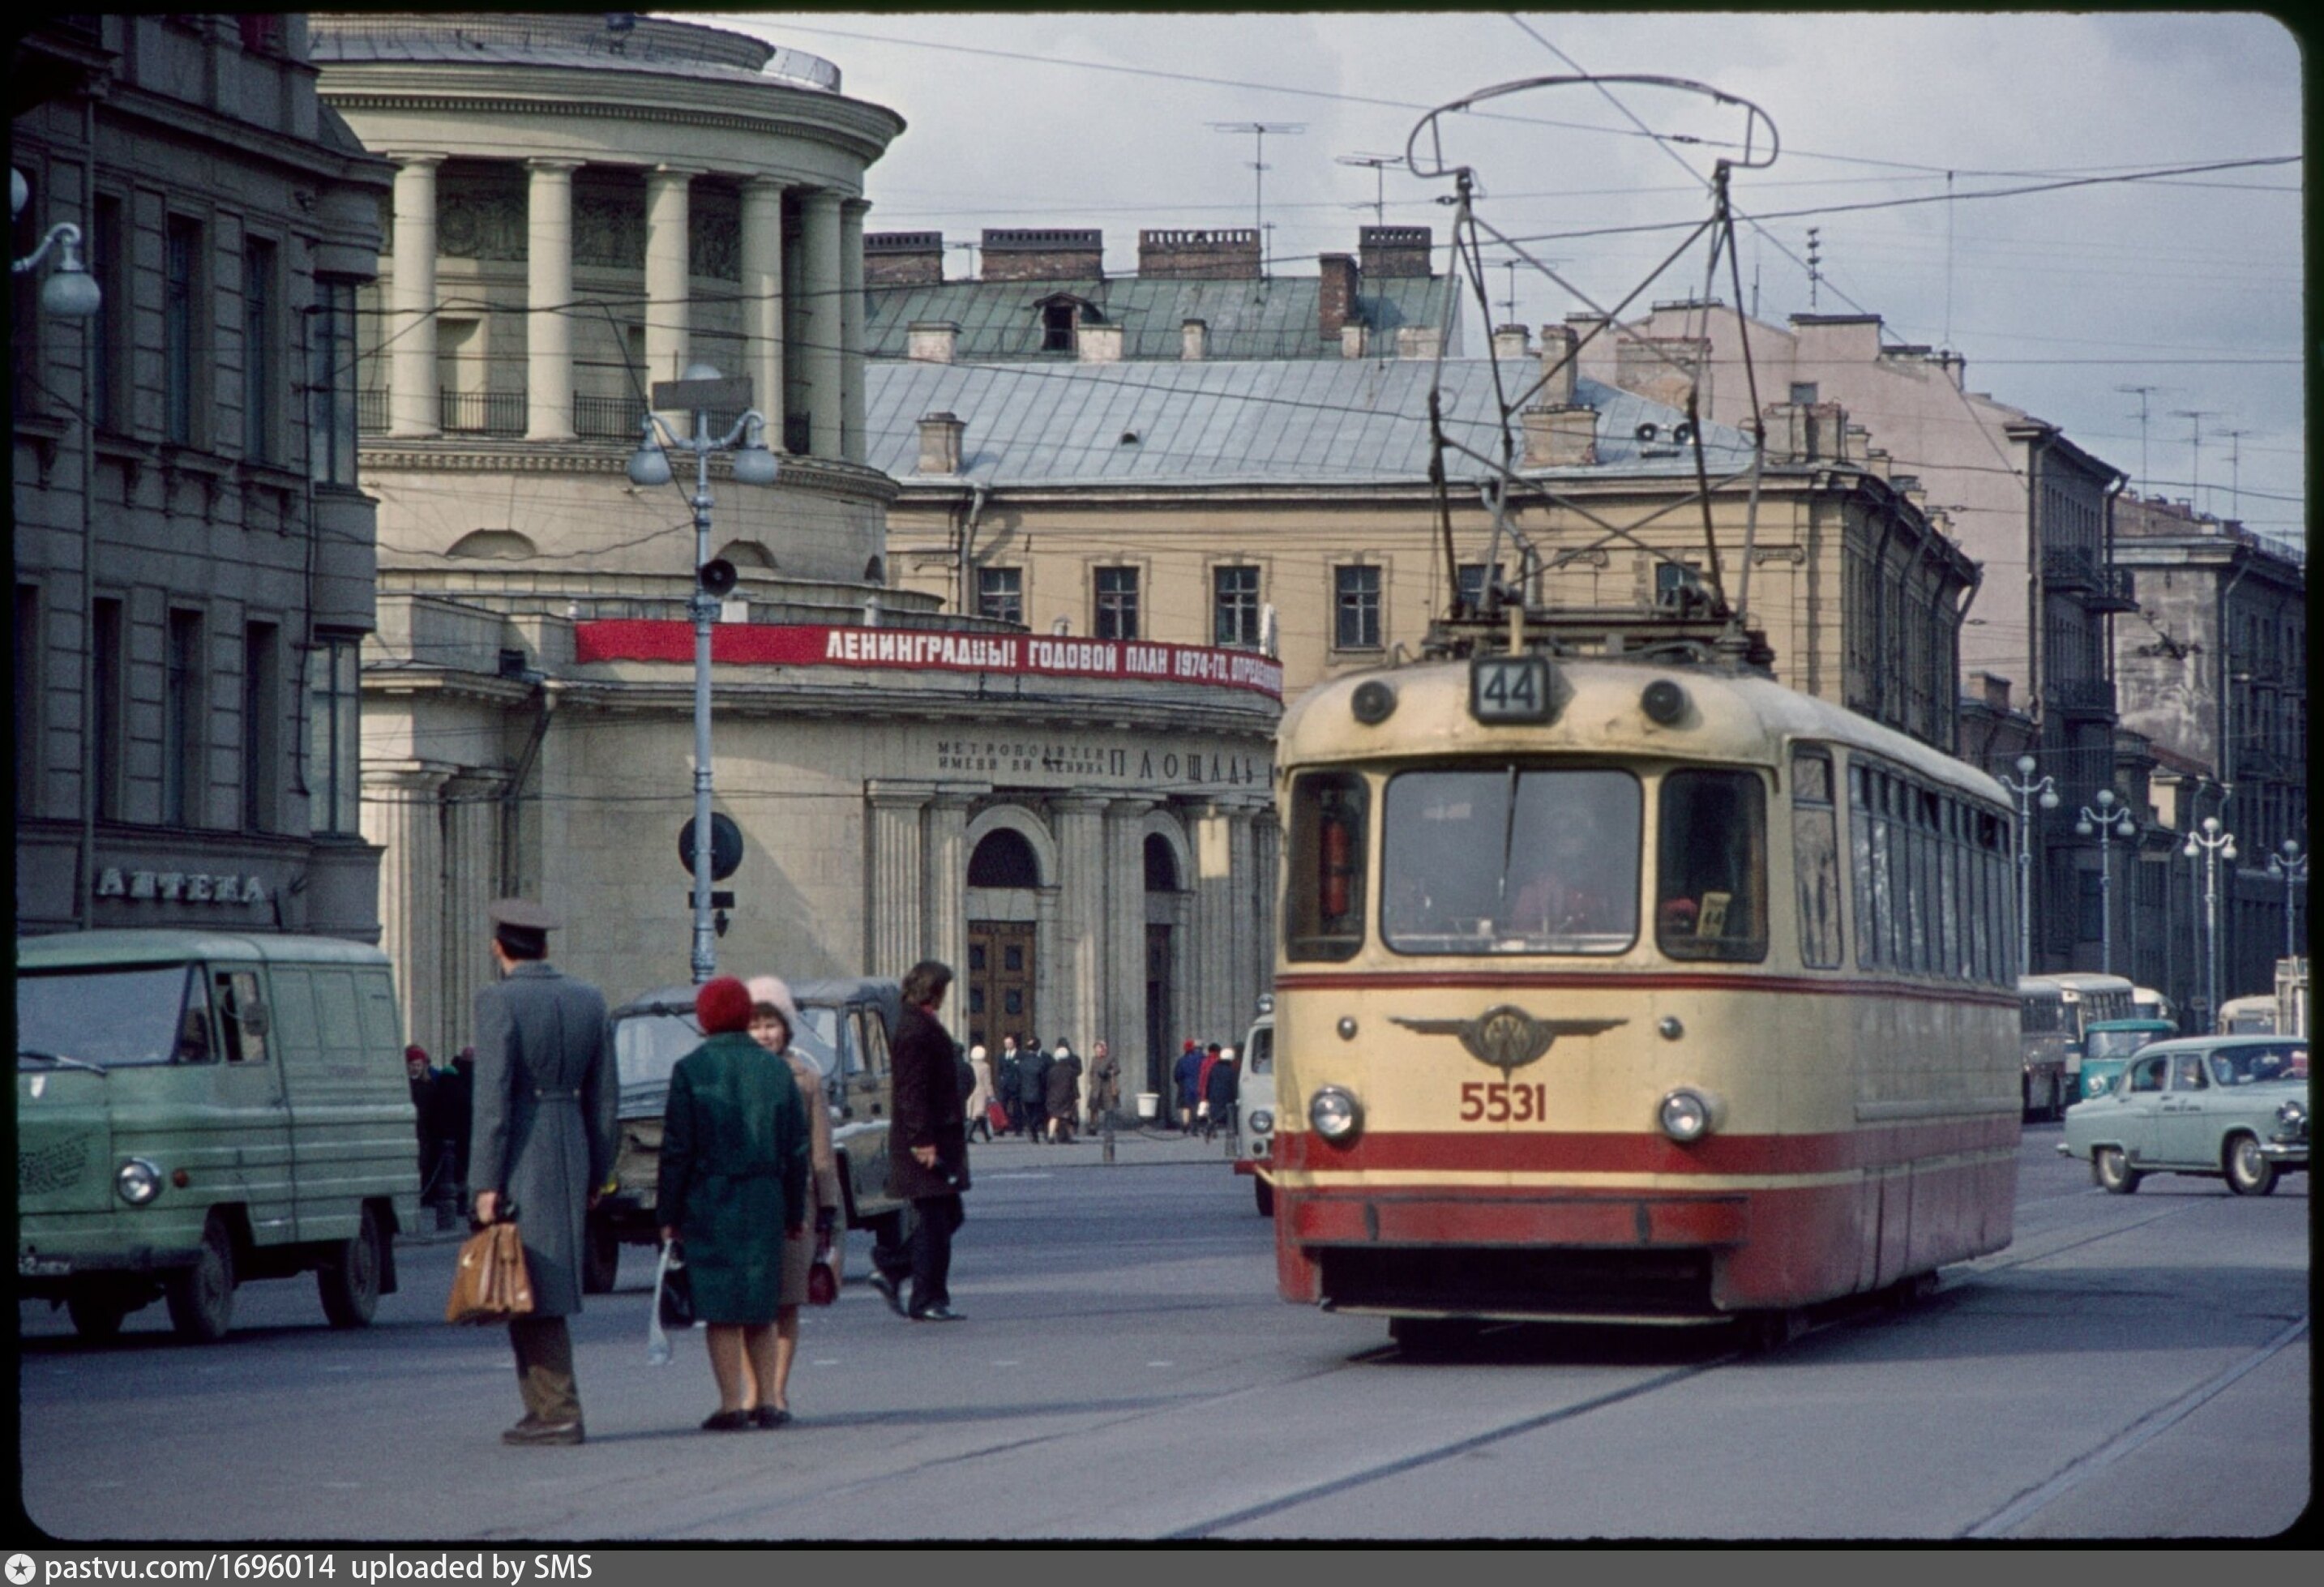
(1000, 952)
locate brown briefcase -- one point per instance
(490, 1284)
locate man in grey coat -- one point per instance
(545, 1131)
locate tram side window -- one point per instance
(1816, 850)
(1712, 899)
(1324, 910)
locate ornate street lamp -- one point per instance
(71, 292)
(2109, 822)
(2291, 866)
(2027, 791)
(702, 391)
(2209, 845)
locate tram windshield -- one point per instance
(1511, 861)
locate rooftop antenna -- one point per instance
(2140, 392)
(2236, 473)
(1379, 164)
(1258, 131)
(1814, 275)
(2195, 484)
(1511, 302)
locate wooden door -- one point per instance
(999, 982)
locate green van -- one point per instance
(196, 1109)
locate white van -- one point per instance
(1255, 1121)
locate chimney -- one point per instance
(1508, 342)
(1042, 253)
(1560, 438)
(1097, 344)
(1661, 369)
(1335, 296)
(1596, 361)
(1557, 366)
(940, 435)
(1417, 341)
(1996, 692)
(1193, 340)
(1806, 432)
(931, 341)
(1351, 341)
(1199, 255)
(903, 259)
(1395, 251)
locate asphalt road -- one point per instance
(2131, 1366)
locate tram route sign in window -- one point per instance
(1509, 688)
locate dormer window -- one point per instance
(1057, 326)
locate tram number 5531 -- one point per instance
(1502, 1101)
(1509, 688)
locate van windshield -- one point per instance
(2103, 1046)
(112, 1018)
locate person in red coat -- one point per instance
(927, 1143)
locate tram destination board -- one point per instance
(1509, 688)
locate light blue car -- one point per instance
(2228, 1107)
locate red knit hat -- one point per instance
(722, 1005)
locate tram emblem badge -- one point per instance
(1505, 1036)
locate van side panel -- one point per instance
(351, 1106)
(240, 1134)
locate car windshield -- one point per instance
(110, 1018)
(1511, 861)
(2101, 1047)
(2247, 1065)
(648, 1047)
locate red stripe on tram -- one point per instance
(1540, 1152)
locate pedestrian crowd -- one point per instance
(523, 1125)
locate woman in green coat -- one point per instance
(732, 1185)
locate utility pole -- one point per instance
(1258, 131)
(1378, 164)
(2142, 393)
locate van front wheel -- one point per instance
(201, 1297)
(349, 1280)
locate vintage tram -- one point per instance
(1632, 991)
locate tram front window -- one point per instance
(1511, 861)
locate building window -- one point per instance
(1357, 624)
(108, 328)
(107, 734)
(331, 443)
(1804, 391)
(27, 698)
(1234, 606)
(1476, 579)
(1117, 603)
(1000, 594)
(1057, 328)
(181, 721)
(259, 349)
(261, 727)
(181, 329)
(334, 775)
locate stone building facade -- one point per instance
(193, 556)
(583, 209)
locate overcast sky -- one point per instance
(2189, 284)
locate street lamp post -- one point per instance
(2292, 867)
(703, 391)
(2109, 822)
(2027, 791)
(2209, 845)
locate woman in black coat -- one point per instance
(928, 1139)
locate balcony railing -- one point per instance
(607, 417)
(2069, 568)
(2080, 696)
(491, 414)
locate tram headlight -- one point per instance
(137, 1181)
(1334, 1113)
(1685, 1116)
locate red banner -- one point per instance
(921, 649)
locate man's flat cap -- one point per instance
(522, 913)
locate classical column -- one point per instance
(1245, 970)
(414, 408)
(1121, 1018)
(471, 864)
(668, 272)
(762, 301)
(1081, 916)
(850, 330)
(821, 284)
(549, 297)
(944, 928)
(1210, 995)
(894, 911)
(401, 815)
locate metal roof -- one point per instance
(1263, 421)
(1276, 317)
